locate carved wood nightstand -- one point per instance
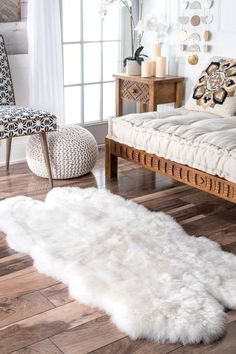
(149, 92)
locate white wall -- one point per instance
(15, 34)
(223, 41)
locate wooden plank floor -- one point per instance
(36, 313)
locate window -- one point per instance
(92, 51)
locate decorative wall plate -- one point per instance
(195, 20)
(183, 35)
(194, 48)
(207, 36)
(208, 4)
(184, 4)
(183, 47)
(194, 37)
(183, 20)
(195, 5)
(207, 19)
(193, 59)
(207, 48)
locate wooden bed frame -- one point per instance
(217, 186)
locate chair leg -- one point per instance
(44, 144)
(8, 152)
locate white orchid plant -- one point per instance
(136, 54)
(160, 28)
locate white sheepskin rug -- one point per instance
(153, 279)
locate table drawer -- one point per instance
(135, 91)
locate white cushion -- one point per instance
(215, 90)
(200, 140)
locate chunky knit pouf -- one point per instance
(72, 149)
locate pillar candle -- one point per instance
(160, 66)
(153, 64)
(147, 69)
(156, 51)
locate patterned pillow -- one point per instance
(215, 90)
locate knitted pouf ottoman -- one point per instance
(72, 149)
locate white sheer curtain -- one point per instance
(45, 56)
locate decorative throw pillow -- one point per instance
(215, 90)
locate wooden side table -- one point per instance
(149, 92)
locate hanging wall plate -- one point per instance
(195, 37)
(184, 4)
(207, 19)
(193, 59)
(195, 5)
(194, 48)
(183, 35)
(195, 20)
(208, 4)
(183, 20)
(207, 36)
(207, 48)
(183, 47)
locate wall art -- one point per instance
(183, 20)
(185, 4)
(195, 5)
(208, 4)
(193, 59)
(195, 20)
(195, 35)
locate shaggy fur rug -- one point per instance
(139, 266)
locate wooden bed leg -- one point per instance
(111, 162)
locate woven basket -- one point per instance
(72, 150)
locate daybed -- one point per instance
(193, 146)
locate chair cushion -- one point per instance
(215, 90)
(19, 121)
(198, 139)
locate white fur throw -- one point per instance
(139, 266)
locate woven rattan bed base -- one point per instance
(182, 173)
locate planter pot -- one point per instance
(133, 68)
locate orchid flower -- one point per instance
(140, 31)
(153, 25)
(122, 3)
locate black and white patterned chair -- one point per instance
(18, 121)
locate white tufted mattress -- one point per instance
(200, 140)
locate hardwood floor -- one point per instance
(36, 313)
